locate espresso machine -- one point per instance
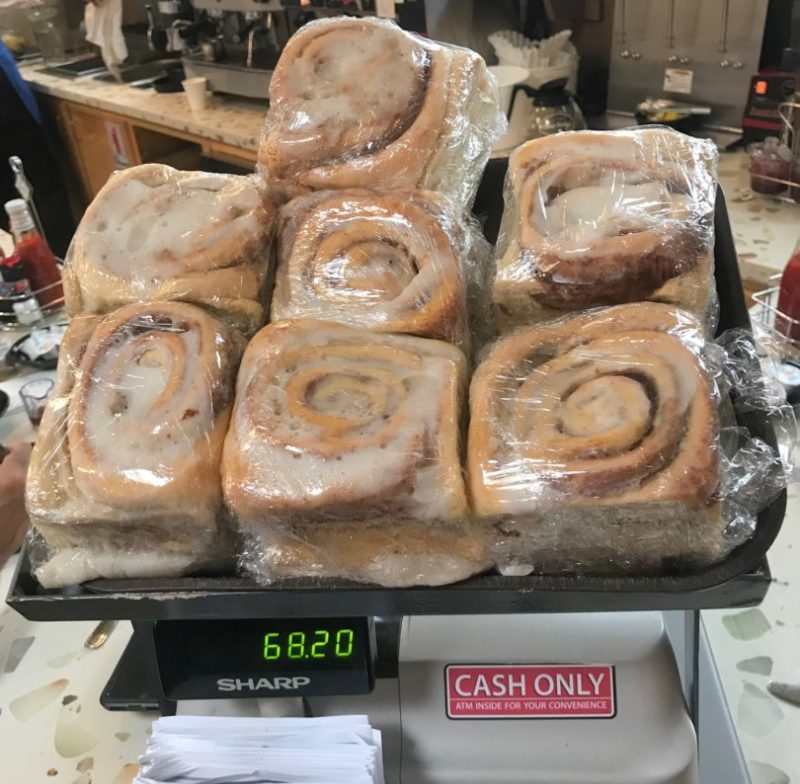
(239, 41)
(239, 44)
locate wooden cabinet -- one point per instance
(100, 143)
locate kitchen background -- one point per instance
(719, 60)
(713, 67)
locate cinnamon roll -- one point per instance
(604, 218)
(124, 477)
(155, 233)
(594, 443)
(359, 103)
(390, 261)
(342, 456)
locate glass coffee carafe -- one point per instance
(49, 29)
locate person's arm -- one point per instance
(13, 517)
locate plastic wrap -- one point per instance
(597, 218)
(390, 262)
(156, 233)
(124, 478)
(595, 445)
(342, 458)
(360, 103)
(750, 373)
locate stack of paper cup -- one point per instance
(545, 60)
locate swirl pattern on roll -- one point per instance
(609, 411)
(597, 218)
(335, 423)
(391, 262)
(425, 115)
(342, 458)
(156, 233)
(129, 449)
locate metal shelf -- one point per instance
(191, 598)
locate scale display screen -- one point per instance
(255, 658)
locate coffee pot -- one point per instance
(551, 109)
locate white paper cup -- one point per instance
(519, 115)
(196, 90)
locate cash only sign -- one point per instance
(530, 691)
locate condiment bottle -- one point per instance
(788, 319)
(13, 270)
(39, 261)
(16, 290)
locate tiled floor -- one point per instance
(755, 646)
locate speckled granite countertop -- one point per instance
(752, 647)
(765, 230)
(228, 120)
(52, 726)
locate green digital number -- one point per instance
(297, 645)
(322, 637)
(344, 643)
(272, 650)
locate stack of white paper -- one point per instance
(217, 750)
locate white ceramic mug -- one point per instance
(519, 115)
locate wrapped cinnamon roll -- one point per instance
(594, 444)
(124, 477)
(604, 218)
(359, 103)
(156, 233)
(342, 458)
(389, 261)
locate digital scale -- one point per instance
(491, 699)
(255, 658)
(544, 679)
(496, 680)
(558, 698)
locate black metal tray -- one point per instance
(741, 579)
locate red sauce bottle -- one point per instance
(789, 299)
(39, 261)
